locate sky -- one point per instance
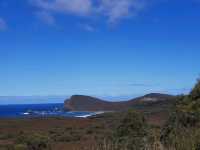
(98, 47)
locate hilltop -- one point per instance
(88, 103)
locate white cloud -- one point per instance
(3, 25)
(76, 7)
(114, 10)
(119, 9)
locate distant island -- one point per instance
(88, 103)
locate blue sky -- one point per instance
(98, 47)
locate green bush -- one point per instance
(34, 141)
(132, 132)
(195, 93)
(182, 132)
(37, 142)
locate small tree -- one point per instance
(131, 134)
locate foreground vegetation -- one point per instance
(132, 130)
(182, 131)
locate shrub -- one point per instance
(181, 132)
(195, 93)
(20, 147)
(34, 141)
(132, 131)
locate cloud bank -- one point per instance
(112, 10)
(3, 24)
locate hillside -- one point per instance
(88, 103)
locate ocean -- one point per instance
(40, 110)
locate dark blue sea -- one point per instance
(40, 110)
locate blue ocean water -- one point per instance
(40, 110)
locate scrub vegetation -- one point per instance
(128, 130)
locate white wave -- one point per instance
(84, 116)
(26, 113)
